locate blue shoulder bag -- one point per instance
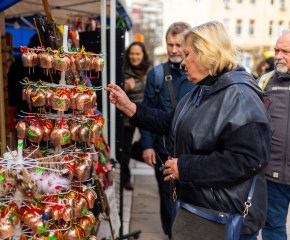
(191, 222)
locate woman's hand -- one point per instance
(129, 84)
(121, 100)
(172, 169)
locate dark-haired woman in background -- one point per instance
(137, 65)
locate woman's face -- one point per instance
(194, 72)
(136, 55)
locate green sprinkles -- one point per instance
(65, 138)
(32, 134)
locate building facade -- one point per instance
(254, 25)
(148, 21)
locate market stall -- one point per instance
(55, 186)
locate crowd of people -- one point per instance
(214, 133)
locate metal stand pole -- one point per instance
(113, 75)
(104, 73)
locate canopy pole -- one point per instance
(113, 75)
(48, 13)
(2, 104)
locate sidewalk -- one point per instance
(145, 214)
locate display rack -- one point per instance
(62, 205)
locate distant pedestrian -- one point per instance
(137, 64)
(261, 67)
(269, 65)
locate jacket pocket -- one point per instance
(269, 104)
(268, 101)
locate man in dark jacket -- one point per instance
(181, 87)
(277, 102)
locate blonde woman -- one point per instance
(220, 132)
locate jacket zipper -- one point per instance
(221, 201)
(177, 123)
(283, 177)
(213, 195)
(177, 127)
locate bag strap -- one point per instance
(178, 203)
(248, 203)
(159, 76)
(265, 79)
(219, 219)
(168, 79)
(161, 70)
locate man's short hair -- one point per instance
(177, 28)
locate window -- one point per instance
(289, 26)
(198, 1)
(227, 24)
(252, 1)
(239, 1)
(227, 3)
(252, 28)
(282, 4)
(239, 27)
(280, 28)
(272, 2)
(271, 28)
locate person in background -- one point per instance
(269, 65)
(137, 64)
(276, 97)
(181, 86)
(261, 67)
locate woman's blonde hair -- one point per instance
(213, 47)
